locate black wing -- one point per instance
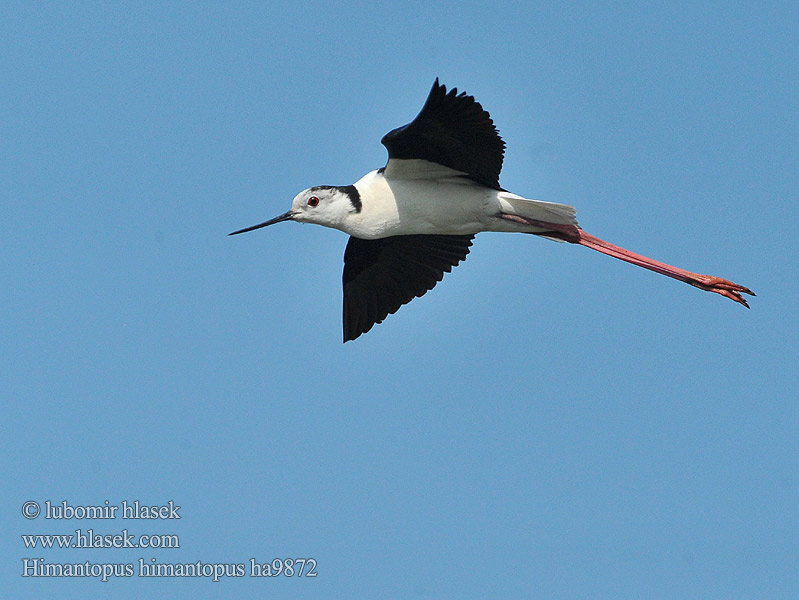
(452, 130)
(382, 275)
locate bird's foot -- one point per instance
(726, 288)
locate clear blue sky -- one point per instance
(547, 423)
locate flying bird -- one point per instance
(414, 219)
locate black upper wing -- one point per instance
(452, 130)
(382, 275)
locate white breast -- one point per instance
(422, 205)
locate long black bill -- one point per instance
(287, 216)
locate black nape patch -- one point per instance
(348, 190)
(354, 196)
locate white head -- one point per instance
(324, 205)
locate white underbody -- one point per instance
(419, 197)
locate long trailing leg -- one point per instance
(575, 235)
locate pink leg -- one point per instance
(575, 235)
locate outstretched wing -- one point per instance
(382, 275)
(452, 130)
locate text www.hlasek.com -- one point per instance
(89, 539)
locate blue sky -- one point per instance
(547, 423)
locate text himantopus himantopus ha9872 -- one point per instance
(414, 219)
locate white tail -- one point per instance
(539, 210)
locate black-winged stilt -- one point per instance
(414, 219)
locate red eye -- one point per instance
(313, 201)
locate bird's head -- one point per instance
(324, 205)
